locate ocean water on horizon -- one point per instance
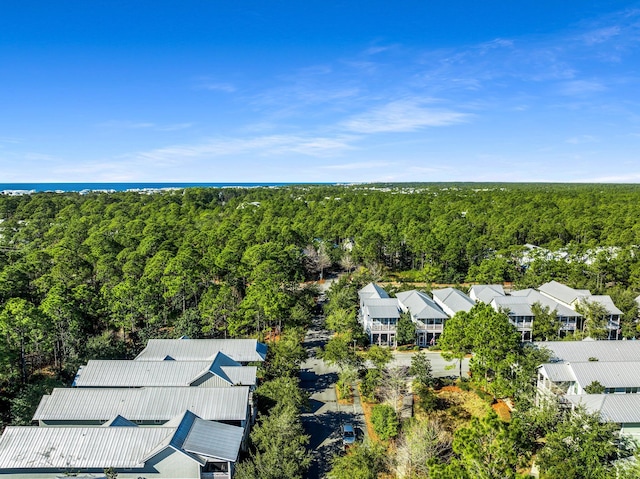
(25, 188)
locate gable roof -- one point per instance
(382, 307)
(610, 375)
(581, 351)
(421, 305)
(486, 292)
(372, 290)
(562, 293)
(452, 300)
(534, 296)
(143, 404)
(123, 373)
(33, 447)
(515, 305)
(618, 408)
(185, 349)
(606, 301)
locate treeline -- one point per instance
(96, 275)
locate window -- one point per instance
(216, 467)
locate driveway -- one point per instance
(325, 417)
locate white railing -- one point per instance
(430, 328)
(382, 327)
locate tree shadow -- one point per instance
(313, 382)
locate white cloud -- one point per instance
(363, 165)
(403, 116)
(601, 35)
(223, 87)
(577, 140)
(581, 87)
(273, 145)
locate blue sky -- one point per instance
(326, 91)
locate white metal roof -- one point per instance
(534, 296)
(214, 439)
(618, 408)
(241, 350)
(610, 375)
(562, 293)
(558, 372)
(606, 301)
(515, 305)
(452, 299)
(372, 290)
(382, 307)
(581, 351)
(421, 305)
(33, 447)
(122, 373)
(65, 448)
(143, 404)
(486, 292)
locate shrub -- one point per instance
(385, 421)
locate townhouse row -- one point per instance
(379, 313)
(181, 409)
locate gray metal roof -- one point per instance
(618, 408)
(143, 404)
(486, 292)
(382, 307)
(214, 439)
(606, 301)
(534, 296)
(452, 299)
(122, 373)
(65, 448)
(558, 372)
(241, 350)
(581, 351)
(562, 292)
(421, 305)
(610, 375)
(33, 447)
(515, 305)
(372, 290)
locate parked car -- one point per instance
(348, 435)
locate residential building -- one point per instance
(187, 447)
(379, 318)
(427, 316)
(570, 321)
(519, 312)
(621, 409)
(486, 292)
(221, 372)
(243, 351)
(147, 406)
(574, 298)
(576, 365)
(452, 300)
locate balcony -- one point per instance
(429, 328)
(381, 327)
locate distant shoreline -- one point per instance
(28, 188)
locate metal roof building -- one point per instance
(142, 405)
(452, 300)
(182, 449)
(582, 351)
(486, 292)
(420, 305)
(221, 372)
(185, 349)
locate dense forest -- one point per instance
(96, 275)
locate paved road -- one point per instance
(323, 421)
(440, 367)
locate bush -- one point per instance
(385, 421)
